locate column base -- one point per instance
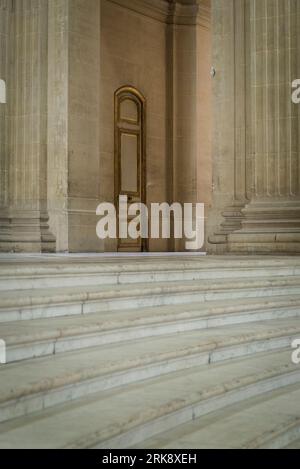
(268, 227)
(26, 232)
(233, 217)
(264, 243)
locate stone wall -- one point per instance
(133, 52)
(73, 131)
(84, 123)
(191, 106)
(63, 60)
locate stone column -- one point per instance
(230, 90)
(58, 103)
(24, 218)
(272, 218)
(260, 154)
(5, 8)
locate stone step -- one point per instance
(95, 346)
(44, 382)
(33, 304)
(70, 272)
(295, 444)
(250, 424)
(125, 417)
(28, 339)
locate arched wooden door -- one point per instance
(130, 155)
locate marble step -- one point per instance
(54, 272)
(250, 424)
(295, 444)
(28, 339)
(33, 304)
(125, 417)
(40, 383)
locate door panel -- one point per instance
(130, 155)
(129, 110)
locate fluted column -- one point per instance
(5, 6)
(274, 118)
(24, 206)
(271, 220)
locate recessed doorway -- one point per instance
(130, 156)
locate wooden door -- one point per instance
(130, 157)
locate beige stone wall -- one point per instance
(223, 133)
(133, 52)
(66, 59)
(73, 126)
(84, 166)
(191, 112)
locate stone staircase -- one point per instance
(157, 352)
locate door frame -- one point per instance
(130, 93)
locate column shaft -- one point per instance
(24, 206)
(266, 145)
